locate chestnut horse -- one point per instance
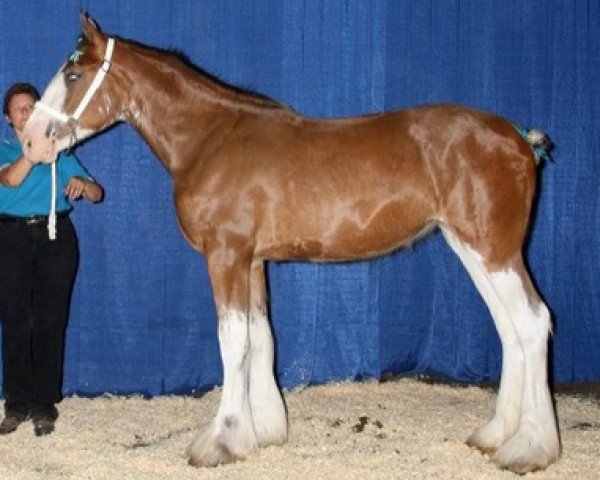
(255, 181)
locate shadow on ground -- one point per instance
(588, 390)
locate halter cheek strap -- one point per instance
(100, 74)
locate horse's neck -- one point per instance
(172, 123)
(175, 111)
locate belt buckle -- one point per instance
(33, 220)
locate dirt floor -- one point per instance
(399, 429)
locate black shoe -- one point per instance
(11, 421)
(43, 425)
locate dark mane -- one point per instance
(179, 59)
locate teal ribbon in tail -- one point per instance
(541, 152)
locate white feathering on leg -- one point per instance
(230, 436)
(268, 411)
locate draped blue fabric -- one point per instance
(143, 318)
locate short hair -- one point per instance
(16, 89)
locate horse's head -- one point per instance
(79, 101)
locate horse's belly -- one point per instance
(346, 234)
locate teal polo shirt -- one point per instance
(33, 196)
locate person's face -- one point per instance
(19, 109)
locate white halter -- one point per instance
(100, 74)
(64, 118)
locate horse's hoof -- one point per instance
(487, 439)
(210, 455)
(220, 456)
(485, 450)
(525, 453)
(222, 442)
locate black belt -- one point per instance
(31, 219)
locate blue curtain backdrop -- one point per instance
(142, 317)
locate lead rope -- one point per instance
(63, 118)
(52, 216)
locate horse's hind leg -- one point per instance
(268, 411)
(508, 405)
(522, 433)
(230, 436)
(536, 444)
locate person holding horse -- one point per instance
(39, 255)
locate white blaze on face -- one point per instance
(37, 145)
(39, 140)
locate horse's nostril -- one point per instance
(29, 144)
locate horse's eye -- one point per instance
(73, 76)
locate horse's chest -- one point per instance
(204, 218)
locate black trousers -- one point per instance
(36, 281)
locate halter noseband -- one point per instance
(100, 74)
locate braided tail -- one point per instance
(539, 142)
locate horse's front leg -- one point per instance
(230, 436)
(268, 411)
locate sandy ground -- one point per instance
(403, 429)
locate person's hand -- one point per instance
(75, 188)
(33, 163)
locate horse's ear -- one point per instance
(89, 27)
